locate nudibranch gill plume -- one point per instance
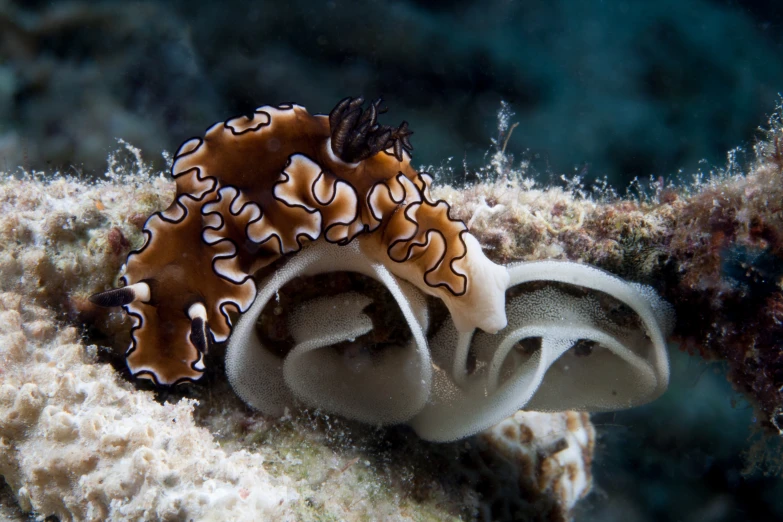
(259, 187)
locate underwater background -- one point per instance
(613, 89)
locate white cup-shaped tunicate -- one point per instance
(385, 387)
(558, 352)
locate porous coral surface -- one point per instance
(561, 458)
(81, 445)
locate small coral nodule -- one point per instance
(338, 193)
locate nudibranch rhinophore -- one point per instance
(258, 187)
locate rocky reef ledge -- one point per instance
(80, 441)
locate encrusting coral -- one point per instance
(73, 438)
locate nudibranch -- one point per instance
(259, 187)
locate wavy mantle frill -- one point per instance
(260, 187)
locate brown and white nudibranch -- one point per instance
(259, 187)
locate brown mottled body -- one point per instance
(257, 188)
